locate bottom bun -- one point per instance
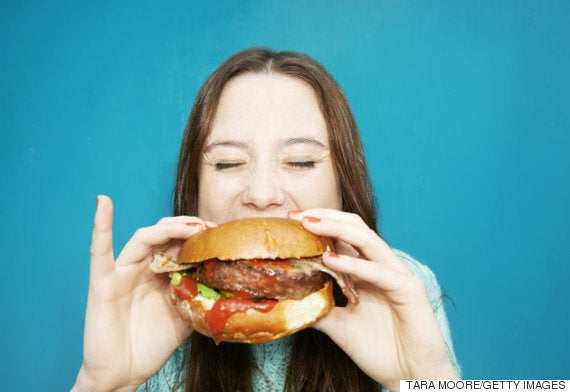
(252, 326)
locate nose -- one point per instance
(263, 191)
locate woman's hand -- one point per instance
(131, 328)
(392, 334)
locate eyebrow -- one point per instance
(302, 140)
(226, 143)
(285, 143)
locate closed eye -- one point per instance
(227, 165)
(302, 164)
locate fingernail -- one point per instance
(332, 254)
(293, 212)
(313, 219)
(192, 224)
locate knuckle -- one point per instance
(356, 218)
(98, 249)
(351, 217)
(163, 220)
(140, 233)
(93, 251)
(416, 285)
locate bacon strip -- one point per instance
(343, 280)
(162, 263)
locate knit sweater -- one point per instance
(272, 358)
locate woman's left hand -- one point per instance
(392, 334)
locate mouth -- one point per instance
(259, 214)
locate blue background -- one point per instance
(464, 108)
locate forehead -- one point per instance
(260, 105)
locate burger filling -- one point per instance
(233, 287)
(254, 279)
(226, 303)
(247, 284)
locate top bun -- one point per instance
(250, 238)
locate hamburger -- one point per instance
(252, 280)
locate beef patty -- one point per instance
(275, 279)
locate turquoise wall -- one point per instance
(465, 112)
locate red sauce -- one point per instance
(285, 265)
(187, 289)
(223, 309)
(209, 265)
(238, 294)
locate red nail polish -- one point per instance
(313, 219)
(293, 212)
(332, 254)
(193, 224)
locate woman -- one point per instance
(270, 134)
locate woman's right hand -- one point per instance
(131, 327)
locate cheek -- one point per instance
(328, 193)
(209, 196)
(216, 195)
(318, 189)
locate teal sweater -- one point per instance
(272, 358)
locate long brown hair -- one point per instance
(317, 364)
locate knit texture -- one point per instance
(272, 359)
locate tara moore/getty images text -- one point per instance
(484, 385)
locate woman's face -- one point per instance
(267, 152)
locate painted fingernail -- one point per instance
(192, 224)
(293, 212)
(313, 219)
(332, 254)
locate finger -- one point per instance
(147, 239)
(187, 220)
(356, 234)
(102, 259)
(180, 218)
(348, 227)
(332, 320)
(386, 279)
(326, 213)
(345, 249)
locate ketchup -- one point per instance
(224, 308)
(285, 265)
(187, 289)
(210, 265)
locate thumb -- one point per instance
(331, 322)
(336, 325)
(102, 259)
